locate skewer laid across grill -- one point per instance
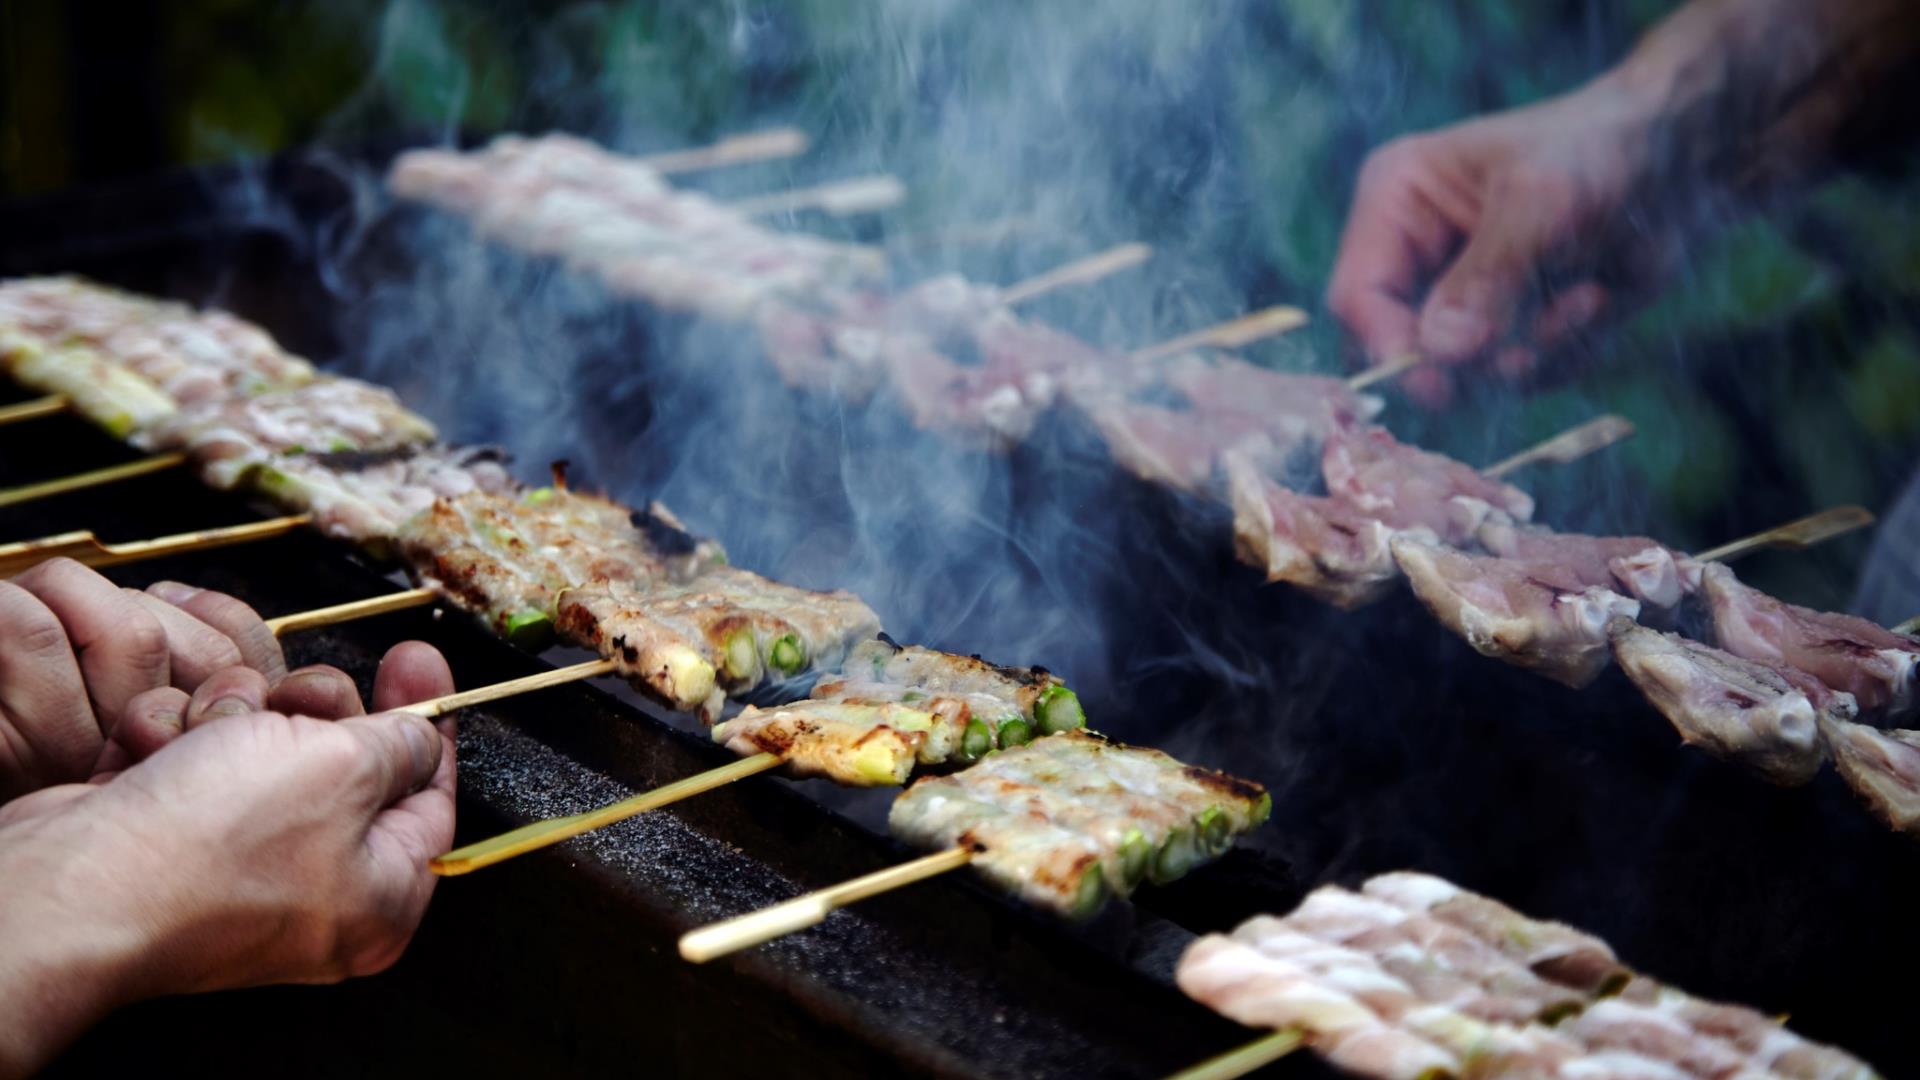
(146, 466)
(1079, 272)
(351, 610)
(84, 547)
(1232, 334)
(1568, 446)
(37, 408)
(767, 145)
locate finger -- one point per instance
(196, 649)
(1516, 361)
(235, 691)
(411, 671)
(1473, 304)
(401, 753)
(243, 626)
(1395, 235)
(318, 691)
(151, 721)
(121, 646)
(421, 825)
(54, 735)
(1572, 310)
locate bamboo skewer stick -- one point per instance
(1794, 535)
(732, 150)
(1907, 627)
(842, 198)
(51, 405)
(754, 928)
(79, 481)
(1079, 272)
(1381, 372)
(1265, 323)
(539, 834)
(480, 695)
(353, 609)
(1568, 446)
(1239, 1062)
(84, 547)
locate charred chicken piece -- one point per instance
(1756, 715)
(1408, 487)
(1645, 569)
(1845, 652)
(1882, 768)
(1532, 615)
(1322, 546)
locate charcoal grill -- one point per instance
(1387, 744)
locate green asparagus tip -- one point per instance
(977, 741)
(787, 655)
(1058, 710)
(530, 629)
(1135, 855)
(1175, 857)
(1214, 831)
(1091, 893)
(1015, 733)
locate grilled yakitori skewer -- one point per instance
(1079, 272)
(740, 149)
(84, 547)
(841, 198)
(1549, 616)
(1415, 978)
(35, 409)
(334, 614)
(1233, 334)
(889, 710)
(480, 695)
(1062, 822)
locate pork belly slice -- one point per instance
(1322, 546)
(881, 670)
(367, 499)
(1407, 487)
(725, 630)
(1531, 615)
(109, 394)
(852, 743)
(1846, 652)
(1753, 714)
(230, 436)
(1064, 820)
(1881, 766)
(1649, 571)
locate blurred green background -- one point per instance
(1779, 374)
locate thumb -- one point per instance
(1474, 304)
(401, 752)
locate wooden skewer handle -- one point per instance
(92, 478)
(841, 199)
(1081, 272)
(347, 612)
(1229, 335)
(85, 548)
(1381, 372)
(51, 405)
(1568, 446)
(733, 150)
(539, 834)
(1806, 532)
(759, 927)
(1240, 1062)
(480, 695)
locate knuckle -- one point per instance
(30, 623)
(142, 637)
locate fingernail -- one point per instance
(420, 745)
(230, 706)
(1453, 331)
(173, 592)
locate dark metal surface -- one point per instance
(1387, 745)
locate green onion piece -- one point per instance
(912, 696)
(1135, 853)
(788, 655)
(537, 496)
(1057, 710)
(1091, 893)
(530, 629)
(977, 741)
(342, 446)
(1263, 809)
(1214, 831)
(742, 657)
(296, 448)
(1175, 857)
(1015, 733)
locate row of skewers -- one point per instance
(1776, 688)
(1063, 819)
(1044, 808)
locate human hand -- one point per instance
(251, 849)
(1493, 241)
(76, 651)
